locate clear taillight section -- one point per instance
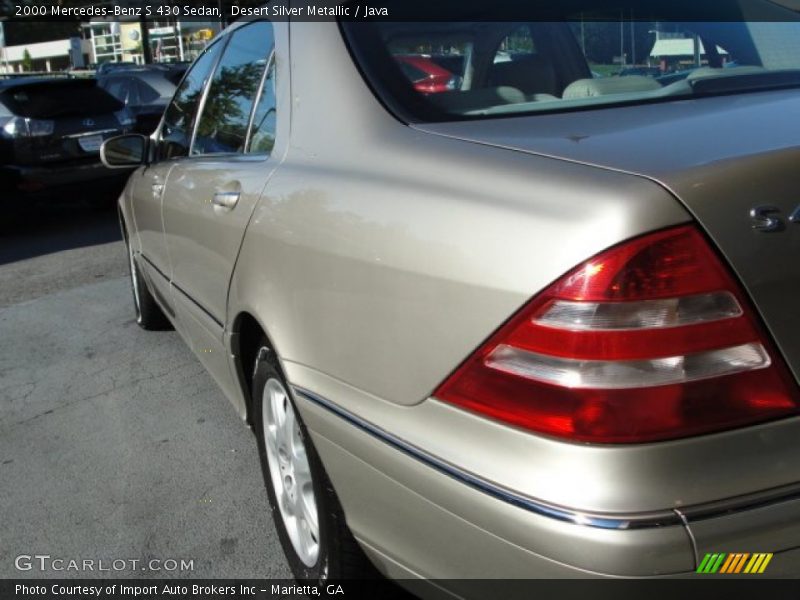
(19, 127)
(650, 340)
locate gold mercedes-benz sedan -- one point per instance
(497, 299)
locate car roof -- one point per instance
(161, 79)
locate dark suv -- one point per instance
(51, 131)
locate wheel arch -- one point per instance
(248, 333)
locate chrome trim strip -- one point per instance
(199, 306)
(262, 81)
(153, 265)
(73, 136)
(722, 508)
(222, 40)
(638, 521)
(183, 292)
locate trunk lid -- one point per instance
(721, 157)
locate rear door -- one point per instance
(210, 196)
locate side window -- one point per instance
(146, 92)
(117, 87)
(225, 116)
(262, 135)
(176, 133)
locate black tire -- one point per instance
(149, 315)
(339, 556)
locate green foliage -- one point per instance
(27, 61)
(223, 110)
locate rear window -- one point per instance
(146, 92)
(60, 98)
(585, 55)
(116, 86)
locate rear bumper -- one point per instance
(438, 527)
(417, 520)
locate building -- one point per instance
(173, 41)
(111, 41)
(45, 56)
(675, 53)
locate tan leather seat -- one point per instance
(478, 99)
(587, 88)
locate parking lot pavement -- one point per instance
(114, 443)
(47, 247)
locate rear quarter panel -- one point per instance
(382, 256)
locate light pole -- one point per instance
(583, 35)
(657, 31)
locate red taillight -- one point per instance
(650, 340)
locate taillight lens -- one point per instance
(650, 340)
(19, 127)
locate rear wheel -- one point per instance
(308, 517)
(148, 313)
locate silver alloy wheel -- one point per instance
(135, 285)
(290, 471)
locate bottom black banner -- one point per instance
(265, 589)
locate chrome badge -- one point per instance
(768, 219)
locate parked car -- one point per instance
(51, 130)
(426, 76)
(145, 91)
(641, 70)
(109, 67)
(544, 326)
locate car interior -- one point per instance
(513, 67)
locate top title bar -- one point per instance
(404, 10)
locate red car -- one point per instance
(426, 75)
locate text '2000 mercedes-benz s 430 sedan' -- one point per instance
(540, 325)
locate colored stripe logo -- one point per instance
(735, 563)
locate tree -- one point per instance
(223, 112)
(27, 60)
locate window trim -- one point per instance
(223, 40)
(207, 90)
(251, 120)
